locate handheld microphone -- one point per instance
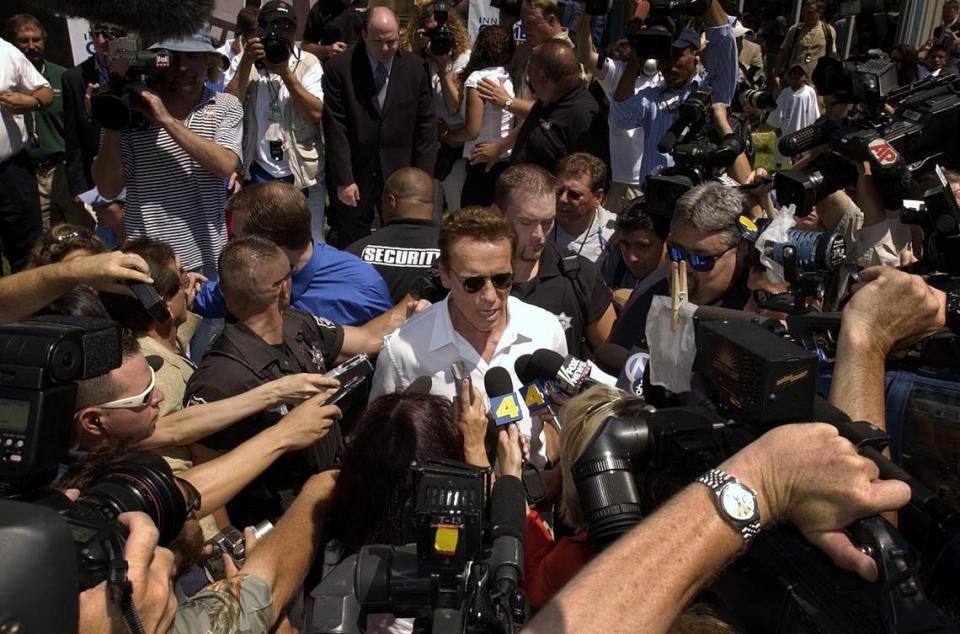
(158, 19)
(534, 389)
(570, 374)
(632, 367)
(611, 358)
(504, 402)
(420, 385)
(509, 525)
(805, 139)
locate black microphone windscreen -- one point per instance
(522, 367)
(545, 364)
(508, 508)
(150, 18)
(611, 358)
(497, 382)
(805, 139)
(420, 385)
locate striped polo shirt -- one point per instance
(170, 197)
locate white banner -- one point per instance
(80, 43)
(481, 14)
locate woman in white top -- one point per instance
(445, 68)
(483, 121)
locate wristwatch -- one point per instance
(736, 502)
(953, 310)
(508, 103)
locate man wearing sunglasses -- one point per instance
(704, 234)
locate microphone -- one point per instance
(632, 366)
(504, 402)
(570, 374)
(158, 19)
(420, 385)
(534, 390)
(611, 358)
(805, 139)
(509, 525)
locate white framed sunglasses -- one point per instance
(133, 402)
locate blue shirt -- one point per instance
(333, 284)
(654, 108)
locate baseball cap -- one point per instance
(276, 10)
(199, 42)
(687, 37)
(806, 68)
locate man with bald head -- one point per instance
(406, 248)
(378, 119)
(565, 117)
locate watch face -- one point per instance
(738, 502)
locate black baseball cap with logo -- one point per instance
(277, 10)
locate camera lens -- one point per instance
(140, 482)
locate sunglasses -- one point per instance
(108, 34)
(474, 284)
(133, 402)
(191, 495)
(699, 263)
(572, 194)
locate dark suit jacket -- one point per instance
(81, 134)
(364, 144)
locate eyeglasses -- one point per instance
(140, 400)
(191, 495)
(700, 263)
(108, 34)
(474, 284)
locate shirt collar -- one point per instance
(444, 334)
(374, 63)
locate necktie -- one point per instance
(380, 77)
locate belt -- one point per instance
(47, 164)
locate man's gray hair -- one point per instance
(712, 208)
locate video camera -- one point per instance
(756, 380)
(441, 37)
(939, 217)
(664, 22)
(460, 570)
(41, 359)
(698, 154)
(113, 105)
(921, 133)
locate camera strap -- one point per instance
(119, 588)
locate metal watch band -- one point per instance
(716, 479)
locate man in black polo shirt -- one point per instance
(404, 251)
(265, 341)
(565, 118)
(548, 276)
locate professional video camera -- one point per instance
(939, 217)
(41, 359)
(698, 153)
(130, 63)
(921, 133)
(664, 22)
(459, 572)
(807, 258)
(441, 37)
(757, 380)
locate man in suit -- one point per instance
(378, 118)
(81, 134)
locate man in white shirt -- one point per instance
(626, 145)
(22, 89)
(246, 29)
(282, 110)
(583, 225)
(479, 323)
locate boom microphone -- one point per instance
(805, 139)
(150, 18)
(508, 527)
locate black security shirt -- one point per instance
(571, 124)
(402, 252)
(238, 361)
(577, 300)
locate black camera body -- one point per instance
(939, 217)
(112, 106)
(664, 22)
(276, 47)
(441, 37)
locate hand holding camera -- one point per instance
(253, 52)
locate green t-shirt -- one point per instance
(45, 128)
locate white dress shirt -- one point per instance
(428, 345)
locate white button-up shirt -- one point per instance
(428, 345)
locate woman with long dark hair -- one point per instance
(484, 122)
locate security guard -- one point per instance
(264, 341)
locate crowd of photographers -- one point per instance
(394, 254)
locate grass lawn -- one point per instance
(763, 150)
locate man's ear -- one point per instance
(445, 276)
(89, 421)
